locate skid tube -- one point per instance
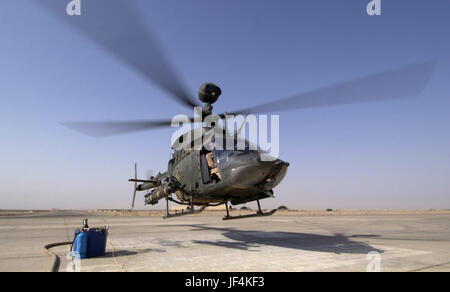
(259, 213)
(183, 213)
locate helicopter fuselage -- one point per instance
(244, 176)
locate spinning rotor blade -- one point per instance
(111, 128)
(115, 27)
(405, 82)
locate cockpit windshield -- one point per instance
(239, 148)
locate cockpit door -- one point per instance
(205, 169)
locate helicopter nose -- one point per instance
(264, 175)
(276, 174)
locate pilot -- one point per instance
(212, 165)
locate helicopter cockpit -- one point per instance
(239, 147)
(225, 156)
(219, 157)
(246, 165)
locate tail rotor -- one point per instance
(135, 186)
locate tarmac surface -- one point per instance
(386, 242)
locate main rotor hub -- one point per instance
(209, 92)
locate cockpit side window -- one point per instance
(204, 168)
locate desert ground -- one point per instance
(290, 240)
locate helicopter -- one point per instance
(241, 175)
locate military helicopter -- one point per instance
(117, 28)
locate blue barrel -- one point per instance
(97, 242)
(80, 245)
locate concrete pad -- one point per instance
(394, 242)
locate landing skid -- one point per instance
(262, 214)
(259, 213)
(182, 213)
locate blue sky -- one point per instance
(390, 155)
